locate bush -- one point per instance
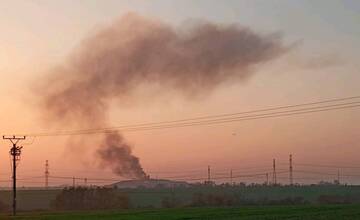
(286, 201)
(218, 200)
(170, 202)
(200, 199)
(334, 199)
(82, 198)
(4, 207)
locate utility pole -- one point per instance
(291, 170)
(47, 173)
(209, 175)
(15, 152)
(274, 172)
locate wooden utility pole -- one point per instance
(15, 152)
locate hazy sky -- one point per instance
(324, 63)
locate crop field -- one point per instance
(302, 212)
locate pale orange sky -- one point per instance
(35, 35)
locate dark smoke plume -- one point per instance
(115, 153)
(135, 51)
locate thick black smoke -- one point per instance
(134, 51)
(114, 152)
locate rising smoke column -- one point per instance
(136, 50)
(114, 152)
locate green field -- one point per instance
(30, 200)
(304, 212)
(147, 203)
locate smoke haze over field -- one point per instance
(136, 50)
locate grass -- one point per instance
(303, 212)
(29, 200)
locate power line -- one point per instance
(82, 178)
(220, 178)
(219, 115)
(315, 172)
(174, 178)
(192, 178)
(211, 122)
(188, 177)
(327, 166)
(243, 118)
(182, 171)
(304, 178)
(163, 125)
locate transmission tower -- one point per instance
(274, 172)
(47, 173)
(267, 179)
(209, 177)
(291, 170)
(15, 152)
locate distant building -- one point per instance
(209, 183)
(149, 183)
